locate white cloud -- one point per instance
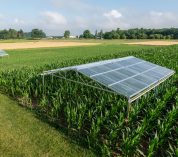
(18, 21)
(161, 17)
(81, 22)
(154, 19)
(112, 20)
(54, 18)
(55, 23)
(113, 14)
(154, 13)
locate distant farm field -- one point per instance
(90, 117)
(40, 56)
(158, 43)
(41, 44)
(35, 44)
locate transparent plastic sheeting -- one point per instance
(126, 76)
(3, 53)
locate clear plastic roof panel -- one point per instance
(126, 76)
(3, 53)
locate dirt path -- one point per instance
(156, 43)
(42, 44)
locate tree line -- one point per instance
(20, 34)
(136, 33)
(166, 33)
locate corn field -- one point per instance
(96, 118)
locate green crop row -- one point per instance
(97, 118)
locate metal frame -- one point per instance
(149, 88)
(99, 87)
(77, 69)
(2, 55)
(83, 66)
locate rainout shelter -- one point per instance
(3, 53)
(130, 77)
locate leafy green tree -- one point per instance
(87, 34)
(67, 34)
(27, 35)
(4, 34)
(136, 33)
(81, 36)
(12, 34)
(152, 36)
(157, 36)
(108, 35)
(168, 37)
(118, 31)
(36, 33)
(133, 36)
(100, 34)
(142, 36)
(96, 34)
(20, 34)
(123, 36)
(115, 35)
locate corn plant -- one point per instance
(97, 118)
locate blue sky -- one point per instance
(54, 16)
